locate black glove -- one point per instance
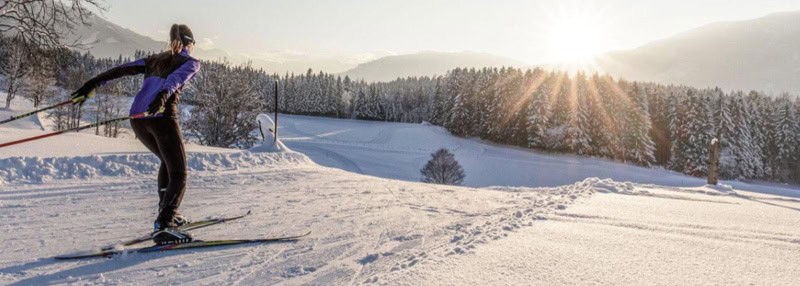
(83, 93)
(159, 102)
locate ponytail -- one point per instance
(175, 43)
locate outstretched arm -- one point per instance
(85, 91)
(131, 68)
(180, 76)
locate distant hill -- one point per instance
(424, 64)
(761, 54)
(105, 39)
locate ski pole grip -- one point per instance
(79, 99)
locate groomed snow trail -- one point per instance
(80, 191)
(631, 234)
(363, 227)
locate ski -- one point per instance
(186, 227)
(179, 246)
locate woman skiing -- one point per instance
(164, 76)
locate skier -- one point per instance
(164, 76)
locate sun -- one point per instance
(575, 41)
(577, 36)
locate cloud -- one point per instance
(206, 44)
(368, 56)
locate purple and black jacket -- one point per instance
(162, 72)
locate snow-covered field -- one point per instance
(399, 150)
(370, 230)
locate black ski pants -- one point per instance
(162, 136)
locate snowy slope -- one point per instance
(642, 235)
(369, 230)
(385, 232)
(363, 227)
(399, 150)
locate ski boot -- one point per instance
(165, 231)
(178, 218)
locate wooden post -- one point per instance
(713, 162)
(275, 129)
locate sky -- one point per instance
(355, 31)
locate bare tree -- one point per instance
(40, 80)
(44, 23)
(15, 67)
(109, 105)
(62, 116)
(443, 168)
(226, 105)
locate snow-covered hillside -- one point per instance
(378, 231)
(399, 150)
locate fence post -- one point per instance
(713, 162)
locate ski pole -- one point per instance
(74, 100)
(76, 129)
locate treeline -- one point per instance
(592, 115)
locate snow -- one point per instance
(400, 150)
(564, 220)
(653, 237)
(19, 106)
(362, 227)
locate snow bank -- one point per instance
(44, 169)
(589, 185)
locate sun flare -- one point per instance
(577, 36)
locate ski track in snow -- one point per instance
(637, 234)
(371, 231)
(368, 230)
(360, 232)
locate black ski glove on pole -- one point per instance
(85, 92)
(158, 104)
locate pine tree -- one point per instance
(639, 146)
(741, 159)
(659, 109)
(612, 97)
(692, 136)
(513, 122)
(460, 118)
(440, 104)
(370, 107)
(537, 113)
(561, 116)
(582, 121)
(757, 120)
(785, 139)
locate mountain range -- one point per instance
(106, 39)
(761, 54)
(425, 64)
